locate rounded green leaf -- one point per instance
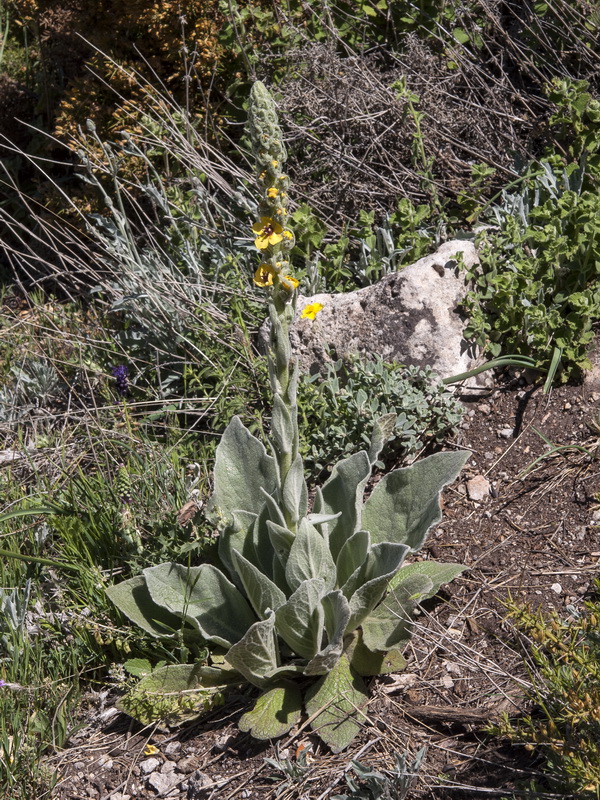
(274, 713)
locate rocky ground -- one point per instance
(524, 517)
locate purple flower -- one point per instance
(2, 683)
(121, 375)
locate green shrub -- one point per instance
(564, 725)
(338, 411)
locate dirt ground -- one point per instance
(532, 536)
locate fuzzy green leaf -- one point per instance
(204, 597)
(274, 713)
(133, 599)
(175, 693)
(263, 594)
(282, 540)
(256, 656)
(295, 493)
(282, 427)
(237, 535)
(343, 491)
(340, 694)
(352, 555)
(337, 614)
(382, 563)
(262, 550)
(405, 503)
(389, 625)
(300, 621)
(242, 469)
(438, 573)
(368, 663)
(309, 558)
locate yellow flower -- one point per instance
(264, 275)
(150, 750)
(290, 283)
(311, 310)
(268, 232)
(288, 235)
(275, 163)
(272, 192)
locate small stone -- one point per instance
(478, 488)
(188, 764)
(452, 668)
(172, 748)
(556, 588)
(221, 744)
(162, 783)
(168, 767)
(567, 406)
(197, 783)
(79, 765)
(105, 761)
(506, 433)
(484, 408)
(399, 682)
(149, 765)
(447, 682)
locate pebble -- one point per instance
(168, 767)
(556, 588)
(478, 488)
(506, 433)
(149, 765)
(172, 748)
(484, 408)
(162, 783)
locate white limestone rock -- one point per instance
(410, 316)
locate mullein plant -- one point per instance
(304, 602)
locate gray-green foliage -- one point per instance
(317, 592)
(302, 593)
(35, 384)
(338, 411)
(375, 785)
(537, 285)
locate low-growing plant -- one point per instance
(371, 784)
(303, 603)
(365, 251)
(537, 287)
(563, 655)
(339, 410)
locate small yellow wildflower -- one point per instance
(275, 163)
(282, 212)
(264, 275)
(311, 310)
(268, 232)
(287, 235)
(272, 192)
(150, 750)
(290, 283)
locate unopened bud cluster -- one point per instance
(273, 238)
